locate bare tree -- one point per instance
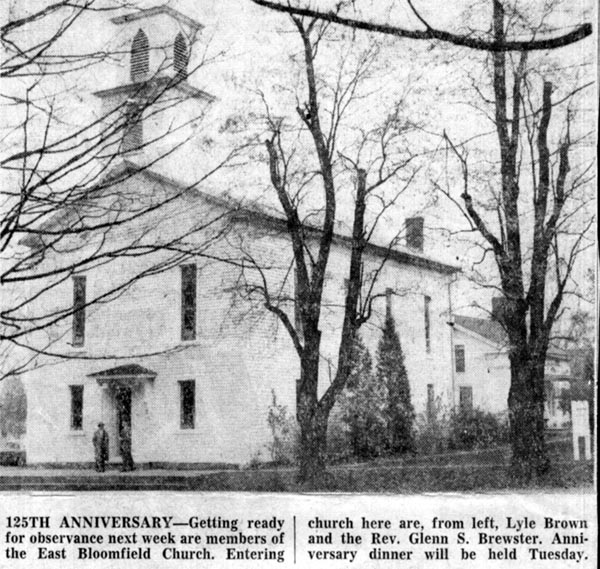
(529, 314)
(71, 200)
(309, 197)
(535, 243)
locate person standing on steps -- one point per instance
(100, 441)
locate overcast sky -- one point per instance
(252, 50)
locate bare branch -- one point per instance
(495, 46)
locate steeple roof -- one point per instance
(157, 10)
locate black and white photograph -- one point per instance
(302, 248)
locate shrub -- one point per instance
(432, 430)
(362, 409)
(13, 402)
(338, 435)
(284, 433)
(476, 429)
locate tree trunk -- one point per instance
(312, 417)
(526, 415)
(313, 447)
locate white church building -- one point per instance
(181, 355)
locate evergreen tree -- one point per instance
(13, 407)
(391, 372)
(363, 405)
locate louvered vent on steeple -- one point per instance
(140, 56)
(180, 56)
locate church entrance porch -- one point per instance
(122, 386)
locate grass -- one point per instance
(459, 471)
(364, 478)
(467, 471)
(482, 470)
(400, 479)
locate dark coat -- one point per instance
(100, 441)
(125, 440)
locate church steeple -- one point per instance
(157, 48)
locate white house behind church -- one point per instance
(482, 370)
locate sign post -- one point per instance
(580, 419)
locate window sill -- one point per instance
(186, 432)
(76, 433)
(183, 344)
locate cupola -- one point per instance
(152, 95)
(160, 41)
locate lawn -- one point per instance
(480, 470)
(484, 470)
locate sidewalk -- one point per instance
(57, 479)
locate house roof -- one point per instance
(494, 332)
(148, 12)
(487, 328)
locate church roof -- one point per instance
(148, 12)
(164, 82)
(261, 214)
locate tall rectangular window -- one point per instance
(465, 399)
(188, 302)
(76, 407)
(427, 316)
(430, 403)
(78, 311)
(388, 302)
(414, 233)
(187, 402)
(459, 358)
